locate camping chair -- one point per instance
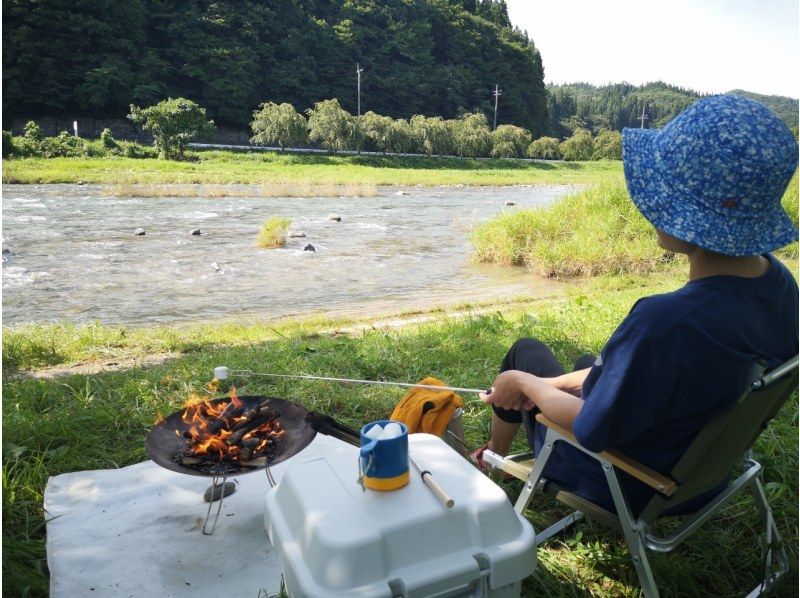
(716, 449)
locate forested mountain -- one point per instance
(620, 105)
(433, 57)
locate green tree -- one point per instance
(401, 136)
(331, 125)
(578, 147)
(545, 148)
(509, 141)
(472, 136)
(433, 134)
(377, 130)
(608, 145)
(278, 124)
(173, 123)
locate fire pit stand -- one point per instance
(300, 426)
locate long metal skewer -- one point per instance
(222, 372)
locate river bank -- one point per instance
(222, 167)
(101, 420)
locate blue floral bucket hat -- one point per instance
(715, 175)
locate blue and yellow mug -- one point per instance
(384, 463)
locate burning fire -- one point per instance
(228, 430)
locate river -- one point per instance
(70, 254)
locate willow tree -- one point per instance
(278, 124)
(331, 125)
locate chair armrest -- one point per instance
(644, 474)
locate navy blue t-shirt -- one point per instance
(674, 363)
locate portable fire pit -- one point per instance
(231, 436)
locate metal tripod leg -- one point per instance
(214, 485)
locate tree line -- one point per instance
(175, 122)
(619, 105)
(442, 57)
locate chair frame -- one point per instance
(637, 531)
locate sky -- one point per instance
(710, 46)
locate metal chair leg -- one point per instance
(635, 533)
(776, 563)
(536, 473)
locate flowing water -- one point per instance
(70, 254)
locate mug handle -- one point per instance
(365, 452)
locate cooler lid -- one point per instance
(337, 538)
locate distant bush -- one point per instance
(8, 144)
(578, 147)
(107, 140)
(545, 148)
(33, 132)
(331, 125)
(278, 124)
(63, 145)
(598, 231)
(377, 131)
(401, 137)
(608, 146)
(509, 141)
(273, 232)
(472, 136)
(433, 134)
(173, 123)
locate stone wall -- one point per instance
(122, 129)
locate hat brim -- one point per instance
(684, 218)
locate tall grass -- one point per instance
(594, 232)
(597, 231)
(273, 232)
(91, 422)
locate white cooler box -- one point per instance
(333, 539)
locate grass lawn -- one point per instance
(100, 421)
(264, 168)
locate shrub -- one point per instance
(608, 145)
(472, 136)
(63, 145)
(136, 150)
(33, 132)
(173, 123)
(545, 148)
(578, 147)
(8, 144)
(401, 137)
(597, 231)
(278, 124)
(433, 134)
(509, 141)
(331, 125)
(107, 140)
(273, 232)
(377, 130)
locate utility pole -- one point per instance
(359, 70)
(497, 93)
(643, 117)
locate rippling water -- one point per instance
(70, 254)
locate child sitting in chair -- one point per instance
(711, 184)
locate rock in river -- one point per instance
(510, 203)
(402, 193)
(309, 247)
(195, 232)
(335, 217)
(297, 235)
(139, 232)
